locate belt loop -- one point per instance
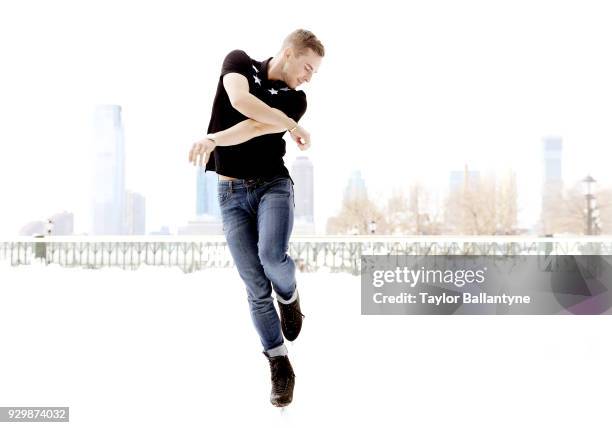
(231, 187)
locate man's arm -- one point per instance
(237, 88)
(237, 134)
(243, 131)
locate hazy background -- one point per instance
(406, 90)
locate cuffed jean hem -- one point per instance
(291, 299)
(279, 350)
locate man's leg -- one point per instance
(240, 228)
(275, 219)
(275, 223)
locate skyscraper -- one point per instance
(208, 212)
(134, 213)
(552, 182)
(552, 160)
(206, 193)
(302, 174)
(108, 191)
(356, 187)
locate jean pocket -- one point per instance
(280, 188)
(223, 195)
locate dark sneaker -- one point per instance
(283, 380)
(291, 319)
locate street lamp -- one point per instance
(588, 183)
(596, 218)
(372, 227)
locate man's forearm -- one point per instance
(243, 131)
(253, 108)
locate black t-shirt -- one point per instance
(259, 157)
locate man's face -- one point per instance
(299, 69)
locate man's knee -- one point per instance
(271, 257)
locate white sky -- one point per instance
(406, 90)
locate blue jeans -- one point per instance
(257, 222)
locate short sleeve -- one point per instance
(298, 106)
(237, 61)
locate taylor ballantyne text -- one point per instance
(450, 299)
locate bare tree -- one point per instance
(398, 214)
(507, 205)
(483, 206)
(355, 216)
(569, 213)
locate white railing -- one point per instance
(337, 253)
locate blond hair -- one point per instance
(301, 40)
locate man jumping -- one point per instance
(255, 104)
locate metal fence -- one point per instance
(310, 253)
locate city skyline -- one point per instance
(207, 217)
(485, 97)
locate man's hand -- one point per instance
(302, 137)
(200, 152)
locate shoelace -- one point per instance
(299, 312)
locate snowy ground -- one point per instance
(160, 348)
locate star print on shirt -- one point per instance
(258, 80)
